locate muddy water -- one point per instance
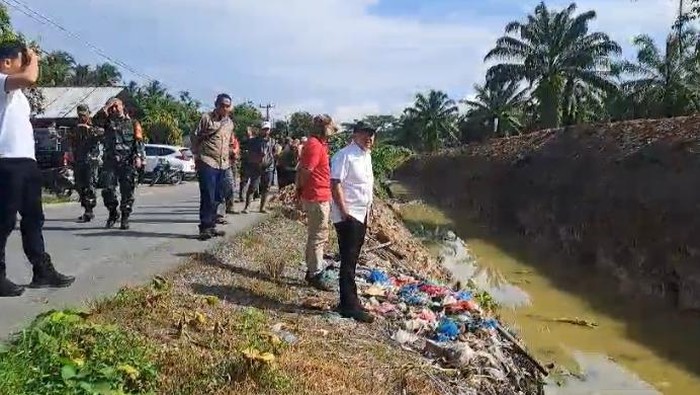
(620, 346)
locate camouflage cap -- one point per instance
(83, 109)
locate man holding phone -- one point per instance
(20, 177)
(211, 146)
(123, 157)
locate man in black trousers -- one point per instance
(352, 183)
(20, 177)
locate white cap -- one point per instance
(266, 125)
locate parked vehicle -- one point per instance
(180, 158)
(163, 173)
(54, 160)
(59, 181)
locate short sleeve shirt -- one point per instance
(352, 167)
(314, 158)
(16, 131)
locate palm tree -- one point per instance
(57, 69)
(666, 83)
(82, 75)
(107, 74)
(549, 50)
(498, 100)
(434, 117)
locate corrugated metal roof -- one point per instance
(62, 102)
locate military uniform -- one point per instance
(85, 143)
(123, 144)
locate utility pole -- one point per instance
(267, 108)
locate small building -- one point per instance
(61, 103)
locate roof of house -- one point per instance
(62, 102)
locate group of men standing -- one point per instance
(337, 190)
(121, 138)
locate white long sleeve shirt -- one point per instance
(352, 167)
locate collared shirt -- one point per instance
(16, 132)
(211, 141)
(352, 166)
(314, 158)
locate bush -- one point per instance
(63, 353)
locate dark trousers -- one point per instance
(122, 174)
(20, 192)
(260, 181)
(351, 237)
(211, 182)
(85, 175)
(285, 177)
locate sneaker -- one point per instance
(358, 314)
(46, 276)
(316, 281)
(9, 289)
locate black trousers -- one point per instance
(85, 175)
(20, 192)
(351, 237)
(120, 174)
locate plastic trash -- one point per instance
(377, 276)
(447, 330)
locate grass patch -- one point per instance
(53, 199)
(64, 353)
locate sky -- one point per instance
(348, 58)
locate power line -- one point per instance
(25, 9)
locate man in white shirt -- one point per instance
(352, 185)
(20, 177)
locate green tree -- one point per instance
(300, 123)
(56, 69)
(244, 115)
(664, 83)
(503, 101)
(550, 51)
(432, 119)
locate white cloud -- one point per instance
(322, 55)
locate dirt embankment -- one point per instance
(624, 197)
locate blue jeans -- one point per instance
(211, 187)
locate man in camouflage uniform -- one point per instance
(123, 156)
(85, 143)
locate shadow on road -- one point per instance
(133, 233)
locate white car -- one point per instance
(179, 158)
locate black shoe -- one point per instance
(125, 223)
(317, 282)
(357, 313)
(220, 220)
(206, 234)
(9, 289)
(46, 276)
(112, 220)
(85, 218)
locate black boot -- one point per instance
(46, 276)
(210, 233)
(7, 287)
(125, 222)
(113, 219)
(86, 217)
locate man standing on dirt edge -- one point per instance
(261, 156)
(313, 188)
(20, 177)
(211, 146)
(352, 183)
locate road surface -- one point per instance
(163, 231)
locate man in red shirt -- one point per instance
(314, 190)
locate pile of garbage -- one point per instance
(449, 327)
(470, 349)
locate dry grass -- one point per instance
(203, 316)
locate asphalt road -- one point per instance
(163, 231)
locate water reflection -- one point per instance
(598, 374)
